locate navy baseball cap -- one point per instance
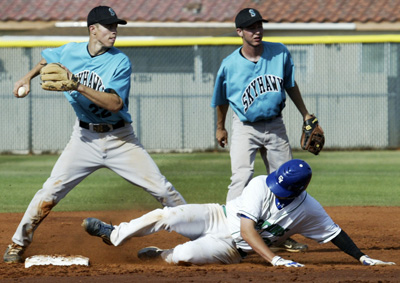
(103, 15)
(291, 179)
(247, 17)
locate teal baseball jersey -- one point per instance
(255, 91)
(110, 70)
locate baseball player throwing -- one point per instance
(270, 209)
(97, 80)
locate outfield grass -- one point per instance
(344, 178)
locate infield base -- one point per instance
(56, 260)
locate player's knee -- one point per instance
(190, 253)
(46, 194)
(183, 255)
(56, 189)
(161, 217)
(169, 196)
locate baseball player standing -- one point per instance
(270, 209)
(102, 136)
(252, 81)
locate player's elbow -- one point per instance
(115, 107)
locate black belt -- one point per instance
(101, 128)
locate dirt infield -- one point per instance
(374, 229)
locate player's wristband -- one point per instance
(275, 260)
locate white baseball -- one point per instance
(21, 91)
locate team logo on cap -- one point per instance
(252, 13)
(111, 12)
(280, 179)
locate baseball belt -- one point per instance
(101, 128)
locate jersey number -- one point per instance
(99, 112)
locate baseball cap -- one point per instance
(247, 17)
(291, 179)
(103, 15)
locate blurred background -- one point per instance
(346, 54)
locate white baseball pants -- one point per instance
(205, 224)
(87, 151)
(269, 137)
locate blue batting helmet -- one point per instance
(291, 179)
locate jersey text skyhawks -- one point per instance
(260, 86)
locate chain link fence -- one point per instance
(353, 89)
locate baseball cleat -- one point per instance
(96, 227)
(150, 253)
(290, 245)
(13, 254)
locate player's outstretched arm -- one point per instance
(251, 236)
(346, 244)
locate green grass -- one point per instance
(343, 178)
(360, 178)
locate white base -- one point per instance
(56, 260)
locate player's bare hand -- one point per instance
(222, 137)
(21, 88)
(366, 260)
(278, 261)
(307, 116)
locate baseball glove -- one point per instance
(55, 77)
(312, 138)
